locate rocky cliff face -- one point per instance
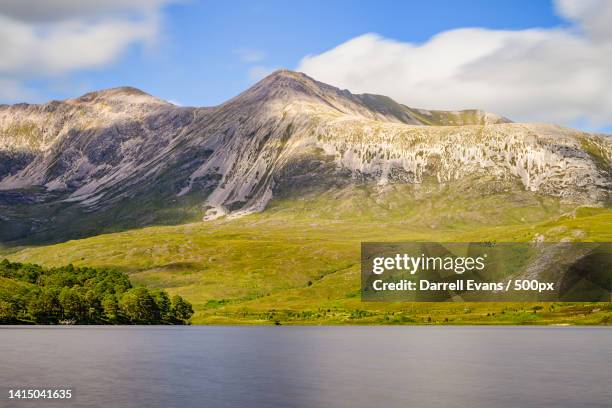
(286, 134)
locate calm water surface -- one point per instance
(310, 366)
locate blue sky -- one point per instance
(197, 60)
(201, 53)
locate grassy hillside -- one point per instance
(298, 262)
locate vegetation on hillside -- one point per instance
(298, 261)
(30, 293)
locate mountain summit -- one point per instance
(122, 157)
(125, 95)
(289, 87)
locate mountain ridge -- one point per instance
(285, 136)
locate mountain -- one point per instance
(121, 158)
(118, 178)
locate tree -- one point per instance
(93, 305)
(82, 294)
(181, 309)
(8, 313)
(71, 304)
(162, 300)
(45, 307)
(138, 306)
(111, 307)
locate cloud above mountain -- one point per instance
(44, 39)
(559, 75)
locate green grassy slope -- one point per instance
(298, 261)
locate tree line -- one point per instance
(31, 294)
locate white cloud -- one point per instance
(561, 75)
(49, 39)
(594, 17)
(56, 10)
(66, 46)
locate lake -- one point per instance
(310, 366)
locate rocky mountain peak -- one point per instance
(295, 92)
(288, 90)
(120, 95)
(281, 85)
